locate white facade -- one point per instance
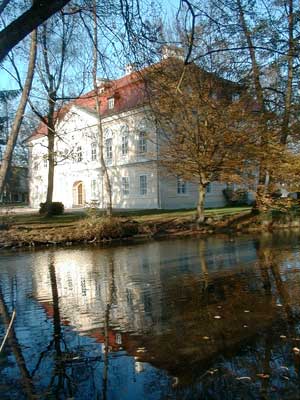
(130, 150)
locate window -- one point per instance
(181, 186)
(93, 189)
(125, 185)
(142, 145)
(45, 162)
(208, 188)
(147, 302)
(111, 103)
(94, 151)
(129, 296)
(78, 154)
(124, 145)
(124, 148)
(108, 148)
(143, 185)
(118, 338)
(235, 97)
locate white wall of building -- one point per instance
(172, 198)
(131, 159)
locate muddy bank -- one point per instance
(105, 230)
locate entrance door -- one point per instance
(78, 194)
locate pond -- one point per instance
(213, 318)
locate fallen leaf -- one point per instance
(175, 381)
(217, 317)
(212, 371)
(263, 376)
(296, 350)
(244, 378)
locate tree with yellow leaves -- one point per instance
(208, 131)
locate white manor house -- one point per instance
(130, 149)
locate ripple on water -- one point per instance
(189, 318)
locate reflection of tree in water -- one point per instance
(70, 366)
(60, 380)
(207, 355)
(17, 350)
(244, 341)
(264, 367)
(109, 303)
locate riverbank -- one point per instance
(32, 230)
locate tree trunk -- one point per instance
(104, 170)
(260, 192)
(289, 85)
(51, 166)
(12, 139)
(39, 12)
(255, 67)
(200, 204)
(51, 150)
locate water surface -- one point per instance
(214, 318)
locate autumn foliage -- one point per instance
(208, 130)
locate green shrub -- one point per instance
(50, 209)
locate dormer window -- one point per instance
(235, 97)
(111, 103)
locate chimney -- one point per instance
(168, 51)
(103, 83)
(129, 68)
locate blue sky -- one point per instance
(170, 7)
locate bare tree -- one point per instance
(254, 43)
(13, 135)
(99, 118)
(51, 71)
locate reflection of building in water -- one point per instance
(131, 280)
(158, 302)
(89, 280)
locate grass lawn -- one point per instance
(35, 219)
(69, 218)
(147, 215)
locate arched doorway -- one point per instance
(78, 194)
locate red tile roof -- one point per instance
(128, 92)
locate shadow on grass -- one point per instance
(70, 217)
